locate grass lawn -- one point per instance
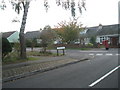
(13, 58)
(36, 53)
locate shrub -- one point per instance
(89, 45)
(17, 48)
(93, 40)
(6, 47)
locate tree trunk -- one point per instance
(44, 49)
(21, 35)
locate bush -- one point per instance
(17, 48)
(12, 57)
(32, 43)
(89, 45)
(93, 40)
(6, 47)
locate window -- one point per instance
(101, 39)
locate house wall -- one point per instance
(87, 40)
(99, 39)
(84, 41)
(114, 40)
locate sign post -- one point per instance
(60, 48)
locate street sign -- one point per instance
(60, 47)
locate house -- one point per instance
(106, 32)
(12, 36)
(32, 35)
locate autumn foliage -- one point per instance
(68, 32)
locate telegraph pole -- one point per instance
(119, 12)
(119, 21)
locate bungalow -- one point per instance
(32, 35)
(12, 36)
(106, 32)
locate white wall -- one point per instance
(98, 39)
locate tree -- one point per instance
(93, 40)
(17, 8)
(31, 43)
(69, 32)
(67, 5)
(47, 36)
(6, 47)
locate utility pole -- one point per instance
(119, 12)
(119, 21)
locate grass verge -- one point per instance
(13, 58)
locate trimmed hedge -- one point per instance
(6, 47)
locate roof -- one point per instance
(32, 34)
(14, 37)
(105, 30)
(92, 31)
(7, 34)
(108, 30)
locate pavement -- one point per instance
(20, 70)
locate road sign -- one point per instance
(60, 47)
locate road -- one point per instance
(101, 71)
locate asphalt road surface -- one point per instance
(101, 71)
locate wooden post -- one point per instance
(57, 53)
(60, 48)
(63, 52)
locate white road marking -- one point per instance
(117, 54)
(91, 54)
(97, 81)
(109, 54)
(99, 54)
(93, 51)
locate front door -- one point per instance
(114, 41)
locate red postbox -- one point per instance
(105, 43)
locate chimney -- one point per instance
(100, 26)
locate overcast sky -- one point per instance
(98, 11)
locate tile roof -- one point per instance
(108, 30)
(32, 34)
(105, 30)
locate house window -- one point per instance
(101, 39)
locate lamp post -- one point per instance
(119, 20)
(119, 12)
